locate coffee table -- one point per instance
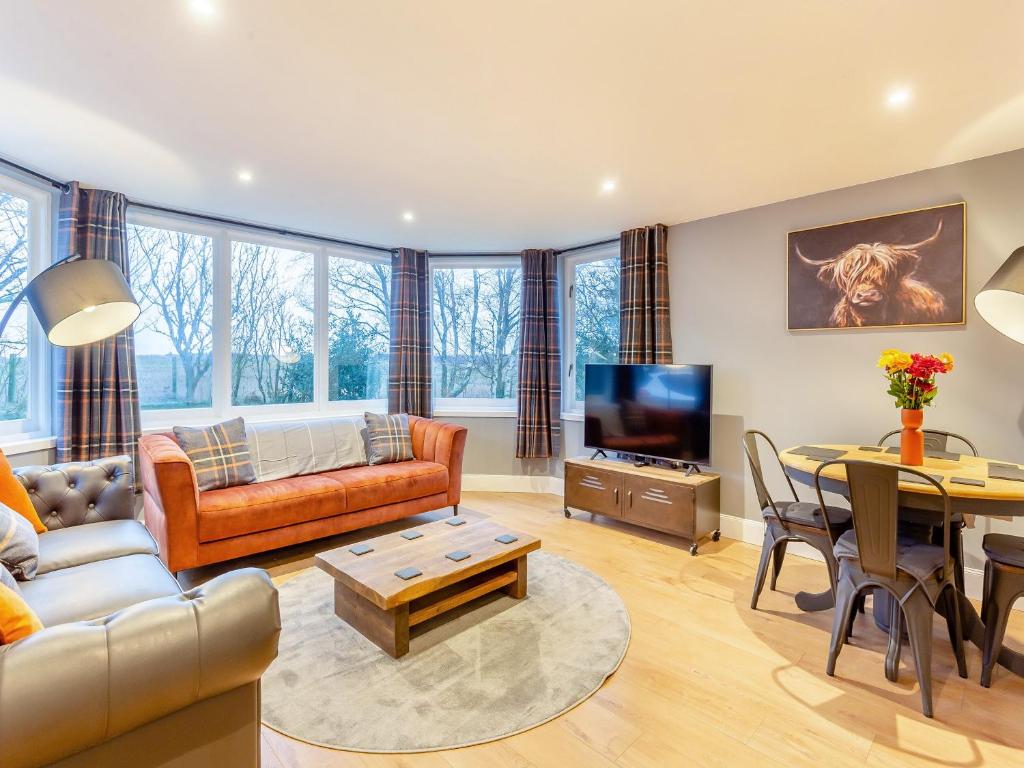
(384, 607)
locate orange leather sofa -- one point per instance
(196, 528)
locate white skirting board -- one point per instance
(752, 532)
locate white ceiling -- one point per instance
(497, 122)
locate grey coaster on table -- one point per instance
(945, 455)
(893, 449)
(870, 448)
(967, 481)
(455, 521)
(410, 535)
(906, 477)
(360, 549)
(818, 454)
(457, 555)
(408, 573)
(1005, 471)
(506, 538)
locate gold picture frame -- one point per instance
(896, 270)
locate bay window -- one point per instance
(591, 318)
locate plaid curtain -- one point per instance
(539, 418)
(645, 335)
(409, 361)
(96, 402)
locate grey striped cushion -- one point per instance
(8, 581)
(287, 449)
(19, 544)
(388, 438)
(219, 454)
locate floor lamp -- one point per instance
(78, 301)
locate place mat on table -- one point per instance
(818, 454)
(1005, 471)
(870, 448)
(931, 454)
(906, 477)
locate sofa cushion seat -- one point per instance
(245, 509)
(92, 590)
(80, 544)
(384, 484)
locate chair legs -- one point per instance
(846, 599)
(1002, 587)
(918, 612)
(954, 624)
(767, 550)
(778, 555)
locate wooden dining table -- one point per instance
(996, 497)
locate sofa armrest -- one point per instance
(444, 443)
(81, 492)
(133, 667)
(170, 500)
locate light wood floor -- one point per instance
(707, 681)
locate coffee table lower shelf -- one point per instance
(390, 628)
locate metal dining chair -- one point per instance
(1004, 583)
(935, 440)
(918, 575)
(787, 521)
(938, 440)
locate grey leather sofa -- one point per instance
(129, 671)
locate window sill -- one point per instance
(14, 445)
(572, 416)
(475, 413)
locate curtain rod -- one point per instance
(65, 187)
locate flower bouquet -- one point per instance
(912, 384)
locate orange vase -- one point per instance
(912, 438)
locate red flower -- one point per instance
(925, 366)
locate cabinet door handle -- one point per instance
(629, 497)
(616, 495)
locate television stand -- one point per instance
(661, 499)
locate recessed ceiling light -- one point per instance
(245, 176)
(608, 186)
(408, 216)
(204, 8)
(898, 97)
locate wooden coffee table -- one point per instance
(384, 607)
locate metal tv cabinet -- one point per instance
(662, 499)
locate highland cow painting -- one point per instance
(902, 269)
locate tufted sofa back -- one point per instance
(83, 492)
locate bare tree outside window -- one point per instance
(14, 217)
(476, 332)
(358, 322)
(596, 309)
(172, 275)
(271, 325)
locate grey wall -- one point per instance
(728, 291)
(491, 448)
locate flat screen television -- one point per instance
(652, 411)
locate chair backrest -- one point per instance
(936, 440)
(874, 501)
(764, 497)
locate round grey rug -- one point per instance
(495, 669)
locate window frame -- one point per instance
(470, 406)
(40, 228)
(572, 409)
(157, 419)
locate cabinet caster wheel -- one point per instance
(568, 514)
(693, 550)
(716, 535)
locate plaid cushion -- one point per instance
(19, 544)
(388, 438)
(8, 581)
(220, 454)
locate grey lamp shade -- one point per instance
(79, 302)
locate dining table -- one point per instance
(972, 491)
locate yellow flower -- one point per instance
(894, 360)
(948, 360)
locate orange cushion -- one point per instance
(383, 484)
(14, 495)
(17, 620)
